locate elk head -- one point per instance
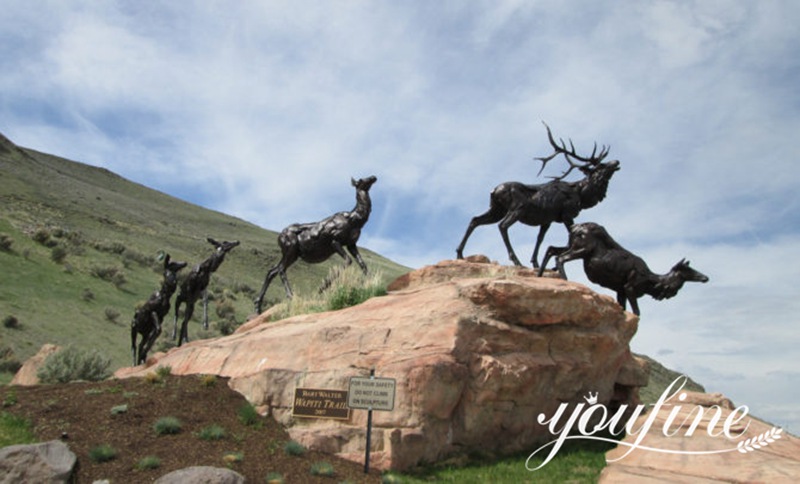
(680, 273)
(363, 183)
(590, 166)
(173, 266)
(223, 247)
(687, 273)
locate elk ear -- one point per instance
(212, 242)
(353, 182)
(166, 261)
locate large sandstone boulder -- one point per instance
(477, 351)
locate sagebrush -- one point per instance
(344, 287)
(73, 364)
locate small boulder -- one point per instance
(201, 475)
(44, 462)
(26, 376)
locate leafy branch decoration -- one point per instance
(759, 441)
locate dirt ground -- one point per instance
(88, 415)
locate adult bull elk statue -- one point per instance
(555, 201)
(612, 266)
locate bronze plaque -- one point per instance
(319, 403)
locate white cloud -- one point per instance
(266, 109)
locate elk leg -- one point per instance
(628, 293)
(504, 224)
(566, 256)
(184, 336)
(634, 303)
(539, 238)
(553, 251)
(270, 275)
(286, 286)
(634, 306)
(178, 301)
(134, 333)
(354, 252)
(279, 269)
(621, 299)
(340, 250)
(205, 309)
(490, 217)
(337, 247)
(151, 338)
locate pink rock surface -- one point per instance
(769, 462)
(26, 375)
(477, 351)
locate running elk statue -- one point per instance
(610, 265)
(196, 285)
(555, 201)
(316, 241)
(148, 318)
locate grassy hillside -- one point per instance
(78, 253)
(660, 378)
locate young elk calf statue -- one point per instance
(610, 265)
(196, 284)
(148, 318)
(316, 241)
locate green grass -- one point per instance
(103, 453)
(149, 462)
(167, 426)
(100, 220)
(212, 432)
(348, 287)
(577, 461)
(322, 468)
(15, 430)
(274, 478)
(660, 378)
(294, 448)
(248, 414)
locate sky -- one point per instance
(266, 109)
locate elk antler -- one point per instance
(593, 160)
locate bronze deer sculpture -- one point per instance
(148, 318)
(555, 201)
(196, 284)
(612, 266)
(316, 241)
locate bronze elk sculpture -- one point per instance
(612, 266)
(148, 319)
(196, 284)
(316, 241)
(555, 201)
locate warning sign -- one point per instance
(371, 393)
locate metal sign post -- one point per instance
(371, 394)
